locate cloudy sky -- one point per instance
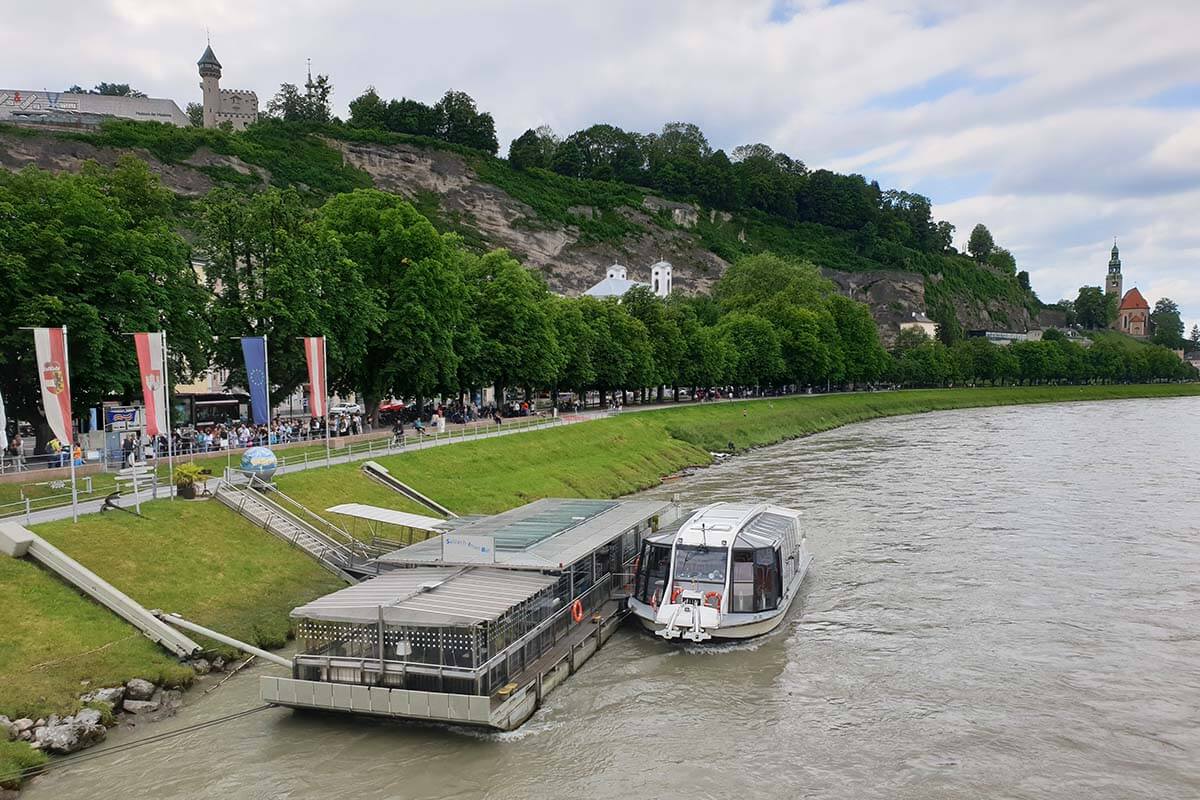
(1058, 123)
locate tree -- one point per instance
(195, 114)
(1023, 281)
(368, 110)
(1168, 325)
(756, 358)
(666, 341)
(526, 151)
(949, 329)
(1003, 262)
(608, 153)
(108, 89)
(568, 160)
(98, 252)
(290, 105)
(415, 275)
(576, 341)
(865, 358)
(274, 272)
(459, 122)
(1194, 339)
(1094, 309)
(980, 244)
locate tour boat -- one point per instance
(729, 571)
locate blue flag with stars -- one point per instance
(254, 350)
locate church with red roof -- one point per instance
(1133, 312)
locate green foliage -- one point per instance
(980, 244)
(187, 473)
(1167, 324)
(19, 761)
(312, 105)
(453, 119)
(1095, 309)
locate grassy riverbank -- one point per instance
(201, 560)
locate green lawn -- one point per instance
(196, 558)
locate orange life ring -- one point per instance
(577, 612)
(709, 596)
(675, 592)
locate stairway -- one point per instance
(346, 560)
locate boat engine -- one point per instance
(688, 618)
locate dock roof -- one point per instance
(546, 534)
(389, 516)
(429, 596)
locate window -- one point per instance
(743, 582)
(652, 572)
(699, 569)
(767, 585)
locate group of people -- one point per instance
(236, 435)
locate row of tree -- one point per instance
(1095, 309)
(408, 312)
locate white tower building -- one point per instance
(660, 278)
(616, 271)
(210, 85)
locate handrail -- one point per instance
(272, 509)
(350, 542)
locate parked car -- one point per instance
(345, 408)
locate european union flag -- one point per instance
(254, 350)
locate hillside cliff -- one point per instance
(569, 229)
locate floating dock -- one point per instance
(476, 625)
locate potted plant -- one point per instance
(186, 475)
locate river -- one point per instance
(1003, 603)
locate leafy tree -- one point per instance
(108, 89)
(1168, 325)
(1094, 309)
(416, 276)
(98, 252)
(459, 122)
(865, 358)
(1194, 339)
(511, 307)
(368, 110)
(1003, 262)
(1068, 308)
(980, 244)
(568, 159)
(666, 341)
(576, 342)
(526, 151)
(756, 358)
(274, 272)
(313, 105)
(608, 153)
(1023, 281)
(195, 114)
(412, 117)
(949, 329)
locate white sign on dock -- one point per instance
(468, 549)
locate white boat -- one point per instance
(730, 571)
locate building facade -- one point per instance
(65, 108)
(238, 107)
(1133, 315)
(920, 322)
(616, 281)
(1113, 282)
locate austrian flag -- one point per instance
(314, 352)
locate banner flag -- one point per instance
(254, 351)
(50, 345)
(3, 427)
(314, 352)
(150, 364)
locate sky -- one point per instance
(1059, 124)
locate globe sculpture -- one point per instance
(260, 461)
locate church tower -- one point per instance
(210, 84)
(1113, 283)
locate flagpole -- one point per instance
(267, 380)
(325, 395)
(71, 435)
(167, 410)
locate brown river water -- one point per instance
(1003, 603)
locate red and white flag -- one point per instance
(150, 365)
(50, 345)
(314, 352)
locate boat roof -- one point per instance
(389, 516)
(546, 534)
(726, 524)
(429, 596)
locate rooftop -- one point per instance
(429, 596)
(1133, 300)
(546, 534)
(613, 287)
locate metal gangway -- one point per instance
(273, 511)
(380, 473)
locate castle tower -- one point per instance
(660, 278)
(210, 85)
(1114, 282)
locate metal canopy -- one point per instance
(546, 534)
(389, 516)
(428, 596)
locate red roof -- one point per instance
(1133, 299)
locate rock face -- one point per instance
(112, 696)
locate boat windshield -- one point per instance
(700, 564)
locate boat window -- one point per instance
(700, 569)
(743, 582)
(652, 572)
(768, 587)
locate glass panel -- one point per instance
(743, 582)
(700, 569)
(656, 561)
(766, 579)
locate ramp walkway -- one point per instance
(378, 472)
(275, 512)
(18, 541)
